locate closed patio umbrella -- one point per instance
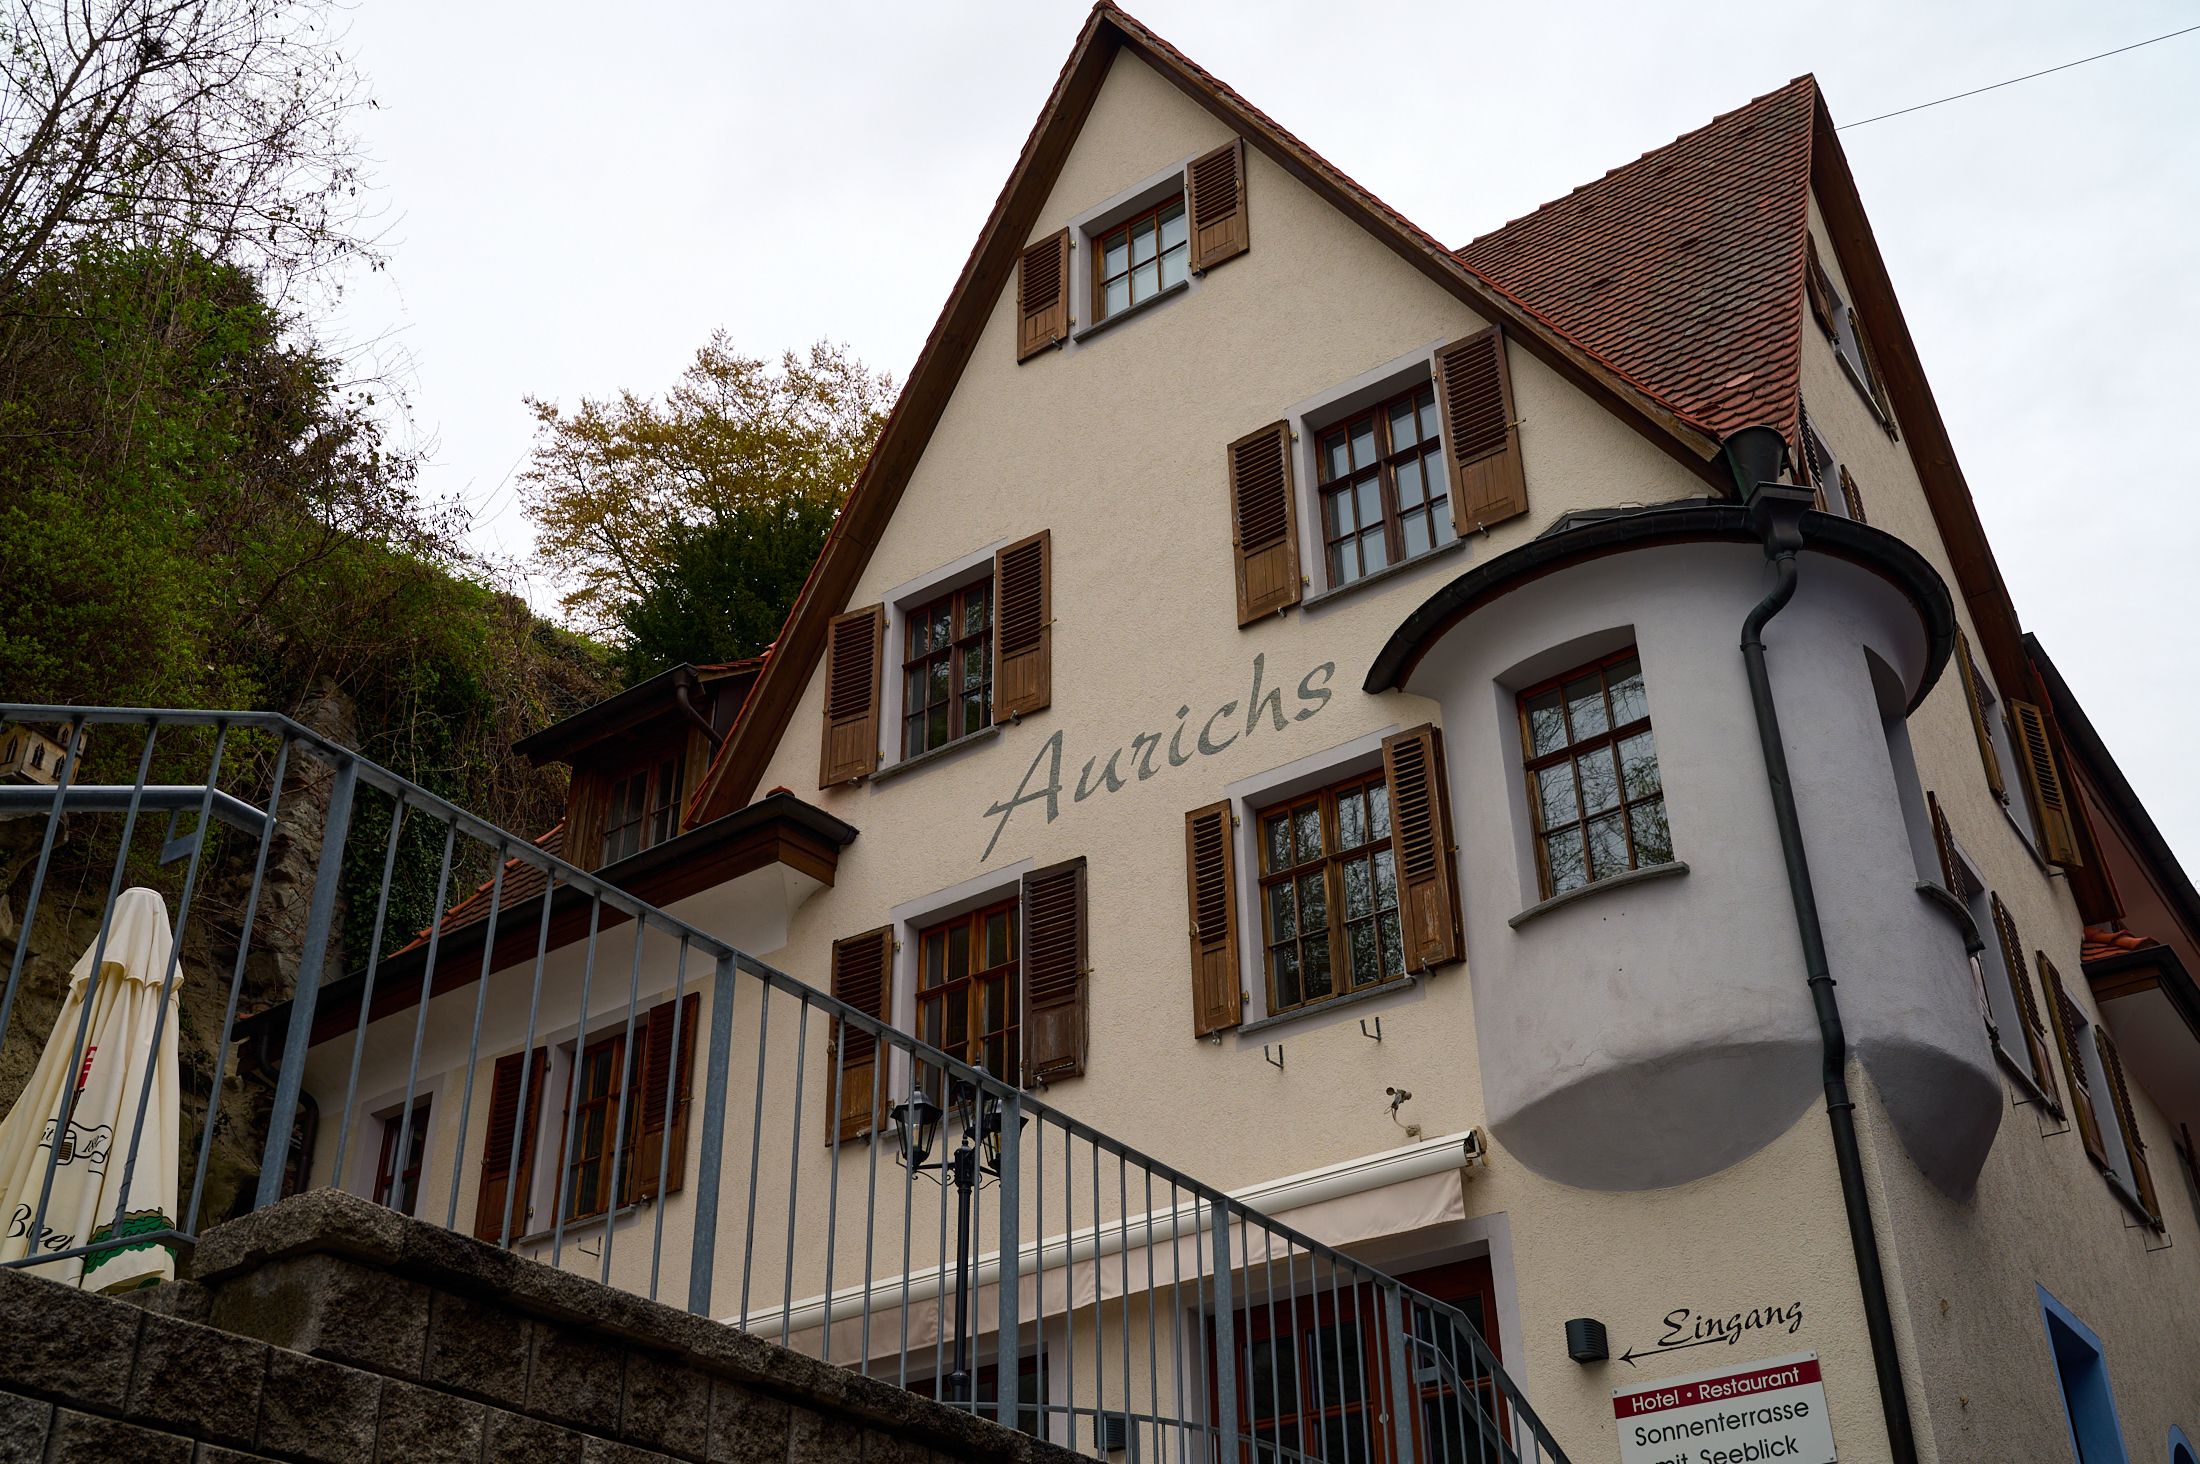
(125, 996)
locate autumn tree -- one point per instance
(621, 488)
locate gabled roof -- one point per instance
(1670, 292)
(1684, 268)
(1109, 31)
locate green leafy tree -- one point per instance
(724, 587)
(617, 488)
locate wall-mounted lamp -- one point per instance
(1585, 1340)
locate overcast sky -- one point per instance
(577, 194)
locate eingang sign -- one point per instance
(1768, 1412)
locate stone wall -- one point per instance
(331, 1331)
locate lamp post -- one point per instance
(975, 1159)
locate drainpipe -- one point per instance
(1756, 455)
(683, 692)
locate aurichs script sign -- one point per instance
(1767, 1412)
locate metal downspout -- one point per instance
(1776, 512)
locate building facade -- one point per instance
(1275, 692)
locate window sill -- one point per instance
(938, 754)
(2022, 1075)
(1391, 571)
(2131, 1199)
(582, 1226)
(1168, 292)
(1314, 1009)
(1955, 910)
(1603, 886)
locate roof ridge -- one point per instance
(1806, 79)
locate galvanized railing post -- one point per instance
(328, 878)
(1226, 1400)
(705, 1247)
(1401, 1373)
(1008, 1350)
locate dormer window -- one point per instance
(1141, 257)
(643, 810)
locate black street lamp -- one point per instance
(976, 1158)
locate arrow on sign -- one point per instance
(1631, 1354)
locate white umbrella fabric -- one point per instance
(126, 1001)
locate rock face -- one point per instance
(66, 923)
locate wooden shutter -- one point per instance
(1851, 496)
(1023, 627)
(1057, 966)
(508, 1147)
(1967, 672)
(1264, 522)
(2028, 1010)
(2043, 784)
(1820, 291)
(1481, 434)
(586, 797)
(1420, 839)
(1042, 296)
(854, 647)
(1944, 845)
(2068, 1020)
(1210, 880)
(1215, 198)
(1872, 379)
(863, 977)
(661, 1105)
(2127, 1121)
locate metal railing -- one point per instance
(613, 1090)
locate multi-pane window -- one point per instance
(643, 809)
(1593, 781)
(967, 987)
(397, 1185)
(1384, 495)
(1329, 894)
(1140, 258)
(947, 669)
(598, 1081)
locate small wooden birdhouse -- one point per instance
(28, 756)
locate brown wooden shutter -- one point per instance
(660, 1107)
(1264, 522)
(2068, 1020)
(863, 977)
(1042, 296)
(1210, 880)
(1820, 291)
(508, 1146)
(585, 800)
(1872, 378)
(2028, 1010)
(854, 648)
(2043, 784)
(1023, 627)
(1967, 673)
(1057, 963)
(2127, 1121)
(1482, 435)
(1215, 198)
(1851, 495)
(1944, 845)
(1420, 840)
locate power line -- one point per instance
(2012, 81)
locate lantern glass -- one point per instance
(917, 1125)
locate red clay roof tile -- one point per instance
(1684, 268)
(2101, 941)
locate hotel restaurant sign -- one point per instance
(1767, 1412)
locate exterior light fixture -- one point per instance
(916, 1126)
(1586, 1341)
